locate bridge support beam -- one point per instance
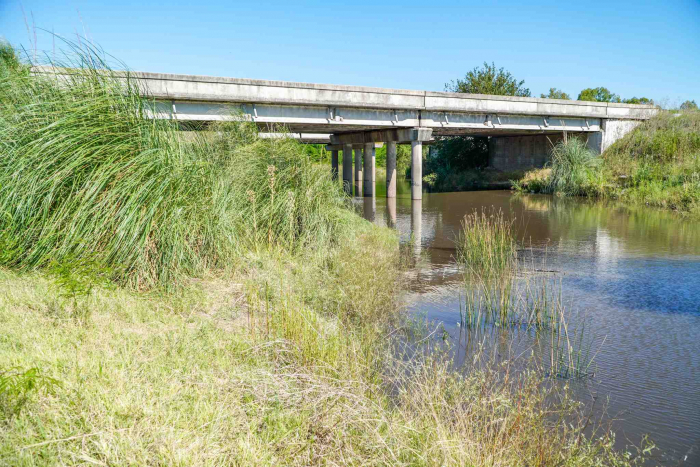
(399, 135)
(416, 170)
(334, 164)
(391, 171)
(347, 168)
(369, 170)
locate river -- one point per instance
(633, 274)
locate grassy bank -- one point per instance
(656, 164)
(212, 299)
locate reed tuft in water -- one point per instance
(486, 243)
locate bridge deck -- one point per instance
(337, 109)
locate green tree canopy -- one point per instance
(638, 100)
(555, 93)
(489, 80)
(689, 105)
(598, 95)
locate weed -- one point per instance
(17, 386)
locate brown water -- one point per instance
(633, 274)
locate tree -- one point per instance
(598, 95)
(489, 80)
(555, 93)
(638, 100)
(689, 105)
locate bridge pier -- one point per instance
(347, 168)
(417, 226)
(415, 136)
(416, 170)
(334, 164)
(391, 211)
(358, 170)
(369, 170)
(391, 170)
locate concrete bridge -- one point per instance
(356, 118)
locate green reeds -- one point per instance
(486, 243)
(501, 292)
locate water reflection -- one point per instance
(633, 273)
(417, 226)
(369, 207)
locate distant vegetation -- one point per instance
(689, 105)
(657, 164)
(555, 93)
(489, 80)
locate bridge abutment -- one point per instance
(509, 153)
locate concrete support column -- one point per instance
(416, 170)
(369, 208)
(334, 164)
(417, 226)
(391, 211)
(391, 171)
(369, 170)
(374, 166)
(347, 168)
(358, 171)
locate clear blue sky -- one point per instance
(635, 48)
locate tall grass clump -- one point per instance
(571, 164)
(87, 174)
(486, 242)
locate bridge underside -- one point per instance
(336, 120)
(517, 141)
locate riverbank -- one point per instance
(657, 164)
(215, 300)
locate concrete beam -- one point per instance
(399, 135)
(310, 138)
(339, 147)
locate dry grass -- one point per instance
(284, 360)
